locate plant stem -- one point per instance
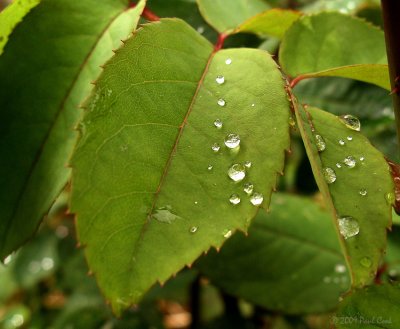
(391, 21)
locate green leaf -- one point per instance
(11, 16)
(273, 22)
(280, 252)
(372, 307)
(355, 181)
(332, 44)
(149, 192)
(225, 16)
(59, 60)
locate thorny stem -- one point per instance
(391, 21)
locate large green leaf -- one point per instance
(369, 308)
(13, 15)
(355, 181)
(225, 16)
(332, 44)
(39, 98)
(149, 191)
(273, 22)
(280, 265)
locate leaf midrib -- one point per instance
(51, 127)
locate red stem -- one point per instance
(296, 80)
(220, 42)
(147, 13)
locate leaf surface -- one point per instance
(149, 192)
(332, 44)
(12, 15)
(273, 22)
(355, 181)
(225, 16)
(280, 265)
(39, 99)
(369, 308)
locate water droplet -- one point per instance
(340, 268)
(320, 142)
(341, 142)
(234, 199)
(237, 172)
(256, 199)
(252, 105)
(248, 164)
(228, 61)
(390, 198)
(232, 141)
(338, 165)
(330, 175)
(47, 263)
(351, 122)
(366, 262)
(215, 147)
(349, 138)
(248, 188)
(227, 234)
(220, 80)
(350, 161)
(193, 229)
(200, 29)
(209, 167)
(363, 192)
(292, 122)
(221, 102)
(348, 226)
(218, 123)
(195, 202)
(164, 215)
(362, 159)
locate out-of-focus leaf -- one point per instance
(150, 192)
(46, 71)
(371, 13)
(281, 265)
(16, 317)
(356, 184)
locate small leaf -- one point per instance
(156, 181)
(332, 44)
(71, 41)
(355, 181)
(11, 16)
(371, 307)
(293, 248)
(273, 22)
(225, 16)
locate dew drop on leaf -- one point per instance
(390, 198)
(248, 188)
(215, 147)
(164, 215)
(256, 199)
(366, 262)
(320, 142)
(221, 102)
(329, 175)
(362, 158)
(248, 164)
(220, 79)
(227, 234)
(193, 229)
(228, 61)
(340, 268)
(341, 142)
(348, 226)
(351, 122)
(234, 199)
(218, 123)
(237, 172)
(350, 161)
(232, 141)
(363, 192)
(349, 138)
(338, 165)
(209, 167)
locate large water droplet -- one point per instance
(329, 174)
(248, 188)
(232, 141)
(237, 172)
(227, 234)
(320, 142)
(221, 102)
(366, 262)
(256, 199)
(351, 122)
(363, 192)
(220, 79)
(164, 215)
(348, 226)
(228, 61)
(248, 164)
(350, 161)
(193, 229)
(218, 123)
(234, 199)
(340, 268)
(215, 147)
